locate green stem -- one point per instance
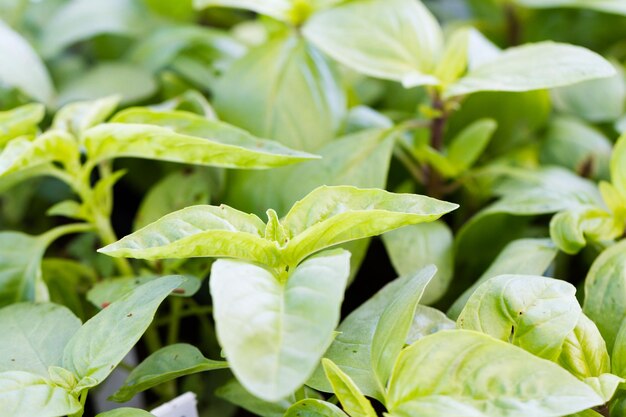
(153, 341)
(188, 312)
(409, 164)
(53, 234)
(176, 304)
(82, 398)
(434, 182)
(107, 235)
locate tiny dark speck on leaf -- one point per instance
(105, 304)
(178, 291)
(129, 315)
(12, 360)
(354, 351)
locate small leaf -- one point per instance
(288, 325)
(534, 313)
(278, 9)
(77, 117)
(427, 320)
(470, 143)
(352, 400)
(314, 408)
(164, 365)
(23, 394)
(584, 352)
(20, 121)
(103, 341)
(125, 412)
(534, 67)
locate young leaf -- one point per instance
(103, 341)
(288, 325)
(23, 394)
(352, 400)
(285, 90)
(571, 229)
(38, 334)
(77, 117)
(411, 248)
(392, 39)
(470, 143)
(164, 365)
(125, 412)
(618, 165)
(534, 313)
(186, 138)
(534, 67)
(20, 121)
(314, 408)
(394, 324)
(333, 215)
(199, 231)
(460, 372)
(278, 9)
(605, 287)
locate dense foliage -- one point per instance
(210, 178)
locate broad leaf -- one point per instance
(314, 408)
(20, 121)
(38, 334)
(352, 400)
(184, 137)
(103, 341)
(391, 39)
(534, 313)
(460, 372)
(285, 90)
(333, 215)
(77, 117)
(605, 292)
(199, 231)
(288, 325)
(235, 393)
(164, 365)
(534, 67)
(125, 412)
(23, 394)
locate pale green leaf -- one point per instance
(584, 352)
(22, 68)
(125, 412)
(470, 143)
(532, 312)
(38, 335)
(274, 333)
(454, 60)
(184, 137)
(534, 67)
(103, 341)
(285, 90)
(605, 292)
(333, 215)
(608, 6)
(278, 9)
(314, 408)
(391, 39)
(20, 121)
(351, 398)
(618, 165)
(411, 248)
(23, 394)
(235, 393)
(460, 372)
(78, 117)
(427, 320)
(164, 365)
(618, 356)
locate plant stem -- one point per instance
(153, 341)
(107, 235)
(434, 182)
(410, 165)
(176, 304)
(82, 398)
(514, 28)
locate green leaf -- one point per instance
(67, 280)
(352, 400)
(411, 248)
(427, 320)
(618, 356)
(608, 6)
(235, 393)
(392, 39)
(460, 372)
(618, 165)
(23, 394)
(20, 121)
(314, 408)
(77, 117)
(605, 289)
(534, 67)
(333, 215)
(394, 325)
(532, 312)
(22, 68)
(278, 9)
(288, 325)
(132, 83)
(164, 365)
(454, 60)
(285, 90)
(199, 231)
(126, 412)
(470, 143)
(186, 138)
(103, 341)
(38, 334)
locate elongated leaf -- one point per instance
(618, 356)
(278, 9)
(391, 39)
(20, 121)
(470, 143)
(618, 165)
(534, 313)
(77, 117)
(411, 248)
(186, 138)
(314, 408)
(102, 342)
(274, 333)
(352, 400)
(164, 365)
(609, 6)
(534, 67)
(333, 215)
(460, 372)
(199, 231)
(285, 90)
(38, 334)
(605, 292)
(235, 393)
(23, 394)
(21, 67)
(125, 412)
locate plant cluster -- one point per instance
(255, 149)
